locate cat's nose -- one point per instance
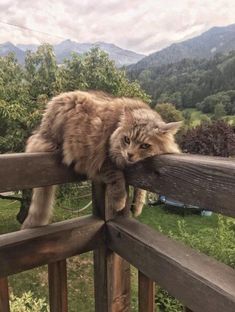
(130, 156)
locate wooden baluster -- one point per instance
(57, 276)
(111, 272)
(146, 293)
(4, 295)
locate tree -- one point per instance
(168, 112)
(219, 111)
(187, 117)
(95, 71)
(40, 71)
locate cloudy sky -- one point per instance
(143, 26)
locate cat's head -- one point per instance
(141, 133)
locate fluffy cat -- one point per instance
(99, 135)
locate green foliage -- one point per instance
(95, 71)
(168, 112)
(226, 98)
(167, 303)
(188, 83)
(219, 111)
(40, 71)
(24, 91)
(28, 303)
(218, 243)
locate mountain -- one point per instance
(7, 47)
(120, 56)
(26, 47)
(215, 40)
(63, 50)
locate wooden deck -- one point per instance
(201, 283)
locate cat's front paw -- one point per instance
(120, 203)
(116, 201)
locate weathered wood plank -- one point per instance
(4, 295)
(146, 293)
(28, 170)
(20, 251)
(208, 182)
(198, 281)
(57, 278)
(111, 272)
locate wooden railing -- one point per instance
(199, 282)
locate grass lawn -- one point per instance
(80, 268)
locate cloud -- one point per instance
(142, 26)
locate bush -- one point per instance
(28, 303)
(168, 112)
(215, 139)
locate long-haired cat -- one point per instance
(99, 135)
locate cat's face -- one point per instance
(142, 134)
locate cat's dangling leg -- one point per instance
(41, 206)
(138, 202)
(116, 194)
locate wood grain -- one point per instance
(111, 272)
(20, 251)
(28, 170)
(198, 281)
(4, 295)
(146, 293)
(57, 279)
(207, 182)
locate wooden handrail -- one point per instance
(20, 251)
(191, 277)
(28, 170)
(208, 182)
(200, 282)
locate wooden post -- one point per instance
(146, 293)
(112, 273)
(4, 295)
(57, 275)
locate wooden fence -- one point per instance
(199, 282)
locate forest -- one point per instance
(190, 83)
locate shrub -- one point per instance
(215, 139)
(168, 112)
(28, 303)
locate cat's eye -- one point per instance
(126, 139)
(145, 145)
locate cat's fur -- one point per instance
(99, 135)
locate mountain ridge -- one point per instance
(121, 57)
(215, 40)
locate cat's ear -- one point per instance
(171, 127)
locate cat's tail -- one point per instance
(139, 199)
(41, 206)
